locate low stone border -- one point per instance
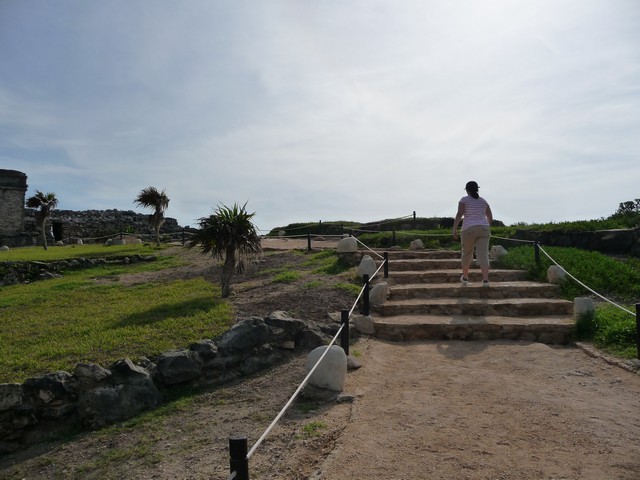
(632, 366)
(92, 396)
(12, 273)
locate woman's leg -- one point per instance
(482, 251)
(467, 243)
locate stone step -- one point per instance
(418, 254)
(518, 289)
(525, 307)
(402, 265)
(557, 329)
(453, 276)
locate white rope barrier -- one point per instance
(585, 286)
(293, 397)
(306, 379)
(357, 299)
(513, 239)
(365, 246)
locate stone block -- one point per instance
(416, 244)
(347, 245)
(583, 306)
(332, 371)
(556, 275)
(367, 266)
(378, 294)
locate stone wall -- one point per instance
(93, 396)
(613, 242)
(13, 186)
(98, 225)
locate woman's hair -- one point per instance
(472, 189)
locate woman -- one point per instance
(475, 231)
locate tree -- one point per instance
(44, 203)
(228, 235)
(150, 197)
(627, 208)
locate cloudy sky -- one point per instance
(325, 110)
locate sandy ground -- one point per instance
(486, 410)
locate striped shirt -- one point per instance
(475, 211)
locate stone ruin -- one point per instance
(18, 225)
(13, 187)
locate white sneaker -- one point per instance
(485, 283)
(464, 280)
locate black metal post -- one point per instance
(415, 226)
(536, 249)
(308, 240)
(386, 264)
(344, 335)
(638, 328)
(393, 238)
(365, 295)
(238, 461)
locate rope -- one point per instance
(295, 394)
(306, 379)
(356, 302)
(585, 286)
(365, 246)
(513, 239)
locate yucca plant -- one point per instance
(44, 203)
(229, 235)
(151, 197)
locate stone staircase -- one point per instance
(428, 302)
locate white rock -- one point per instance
(364, 324)
(416, 244)
(332, 371)
(378, 294)
(583, 306)
(4, 248)
(367, 266)
(347, 245)
(556, 274)
(497, 251)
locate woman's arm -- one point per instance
(489, 215)
(458, 219)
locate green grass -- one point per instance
(287, 276)
(349, 287)
(611, 329)
(312, 429)
(52, 325)
(67, 252)
(87, 316)
(607, 276)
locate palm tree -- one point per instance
(44, 203)
(228, 235)
(150, 197)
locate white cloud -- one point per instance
(353, 110)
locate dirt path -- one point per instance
(486, 410)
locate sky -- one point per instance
(327, 110)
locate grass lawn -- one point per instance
(54, 324)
